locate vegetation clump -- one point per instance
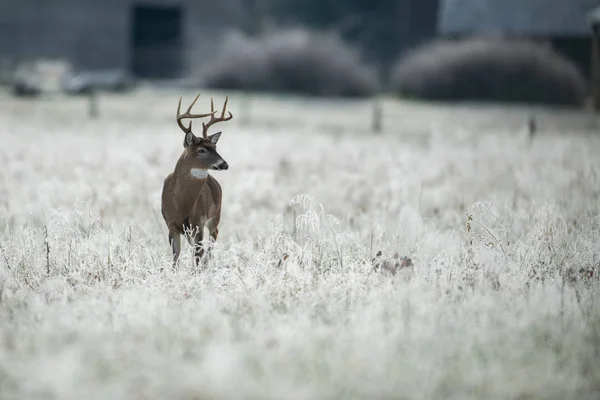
(295, 60)
(489, 70)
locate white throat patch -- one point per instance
(199, 173)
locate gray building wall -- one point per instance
(564, 24)
(533, 18)
(96, 34)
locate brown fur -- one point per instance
(191, 203)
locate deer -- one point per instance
(191, 197)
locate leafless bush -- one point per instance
(293, 60)
(489, 70)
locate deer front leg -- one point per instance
(213, 234)
(211, 241)
(175, 241)
(199, 249)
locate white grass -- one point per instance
(503, 306)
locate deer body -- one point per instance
(191, 198)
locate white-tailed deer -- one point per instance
(191, 198)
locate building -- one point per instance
(594, 20)
(562, 23)
(149, 38)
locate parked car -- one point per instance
(31, 78)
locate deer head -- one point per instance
(200, 153)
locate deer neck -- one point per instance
(188, 183)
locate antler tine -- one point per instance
(193, 102)
(214, 120)
(224, 109)
(187, 114)
(181, 126)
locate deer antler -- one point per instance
(188, 115)
(214, 120)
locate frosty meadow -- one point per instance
(500, 302)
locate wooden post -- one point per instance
(93, 104)
(377, 115)
(532, 127)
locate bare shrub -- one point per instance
(292, 60)
(489, 70)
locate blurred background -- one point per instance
(528, 51)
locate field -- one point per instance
(500, 300)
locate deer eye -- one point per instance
(202, 151)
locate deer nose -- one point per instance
(221, 165)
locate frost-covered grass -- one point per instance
(499, 305)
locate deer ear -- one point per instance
(214, 138)
(189, 139)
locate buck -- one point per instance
(191, 198)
